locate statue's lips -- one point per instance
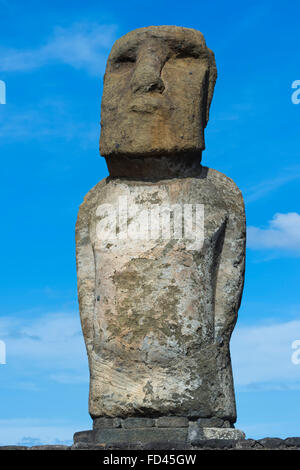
(147, 105)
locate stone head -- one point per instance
(158, 88)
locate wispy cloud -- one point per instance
(261, 357)
(42, 352)
(261, 189)
(248, 20)
(46, 120)
(30, 432)
(281, 428)
(82, 46)
(52, 344)
(283, 233)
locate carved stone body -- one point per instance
(158, 304)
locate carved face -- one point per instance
(158, 87)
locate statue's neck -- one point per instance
(154, 167)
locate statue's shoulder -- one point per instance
(90, 200)
(222, 182)
(224, 188)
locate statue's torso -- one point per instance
(155, 297)
(154, 335)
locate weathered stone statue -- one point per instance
(160, 250)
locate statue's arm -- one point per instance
(85, 275)
(231, 270)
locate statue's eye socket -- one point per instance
(126, 58)
(124, 62)
(186, 54)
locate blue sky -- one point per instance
(52, 59)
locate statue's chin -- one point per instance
(149, 135)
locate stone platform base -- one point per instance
(268, 443)
(148, 433)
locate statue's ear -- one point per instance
(212, 77)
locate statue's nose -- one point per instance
(147, 73)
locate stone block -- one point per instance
(172, 422)
(292, 442)
(140, 435)
(199, 433)
(84, 436)
(104, 423)
(131, 423)
(213, 422)
(271, 443)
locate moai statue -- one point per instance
(160, 249)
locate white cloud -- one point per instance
(38, 431)
(282, 233)
(41, 350)
(82, 46)
(262, 357)
(52, 343)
